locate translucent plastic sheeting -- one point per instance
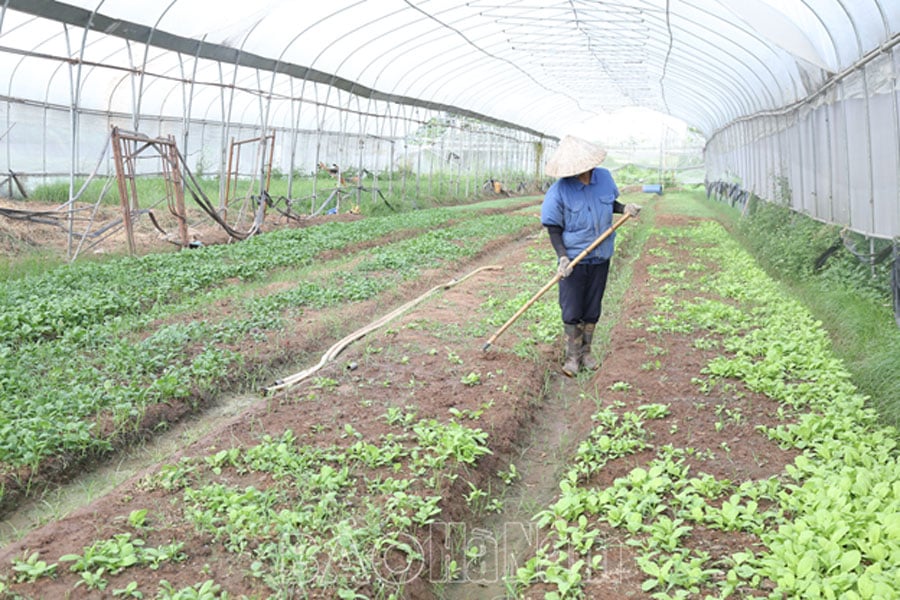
(761, 79)
(542, 65)
(836, 159)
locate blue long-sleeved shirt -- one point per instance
(583, 212)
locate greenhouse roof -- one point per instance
(546, 66)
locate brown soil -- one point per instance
(729, 448)
(535, 421)
(40, 226)
(737, 452)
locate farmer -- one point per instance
(577, 208)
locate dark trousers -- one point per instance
(581, 293)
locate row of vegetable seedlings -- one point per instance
(829, 524)
(329, 513)
(112, 342)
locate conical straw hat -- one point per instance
(574, 156)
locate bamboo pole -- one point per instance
(555, 279)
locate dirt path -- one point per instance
(507, 539)
(558, 423)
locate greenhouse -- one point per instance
(255, 254)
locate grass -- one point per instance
(32, 262)
(398, 192)
(865, 337)
(853, 305)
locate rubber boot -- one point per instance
(573, 350)
(587, 359)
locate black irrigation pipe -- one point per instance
(867, 258)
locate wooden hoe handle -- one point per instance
(555, 279)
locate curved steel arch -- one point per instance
(736, 58)
(723, 88)
(140, 84)
(464, 37)
(745, 74)
(58, 11)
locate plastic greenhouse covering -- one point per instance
(796, 101)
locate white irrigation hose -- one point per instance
(338, 347)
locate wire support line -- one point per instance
(494, 56)
(662, 76)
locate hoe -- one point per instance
(553, 281)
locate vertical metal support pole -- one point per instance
(312, 202)
(45, 126)
(846, 166)
(895, 121)
(872, 256)
(223, 205)
(419, 172)
(470, 153)
(459, 160)
(405, 176)
(361, 143)
(895, 279)
(431, 168)
(491, 153)
(778, 179)
(269, 161)
(775, 146)
(870, 140)
(801, 156)
(832, 166)
(295, 134)
(74, 86)
(442, 159)
(224, 132)
(237, 167)
(475, 152)
(189, 106)
(749, 134)
(815, 159)
(374, 156)
(391, 170)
